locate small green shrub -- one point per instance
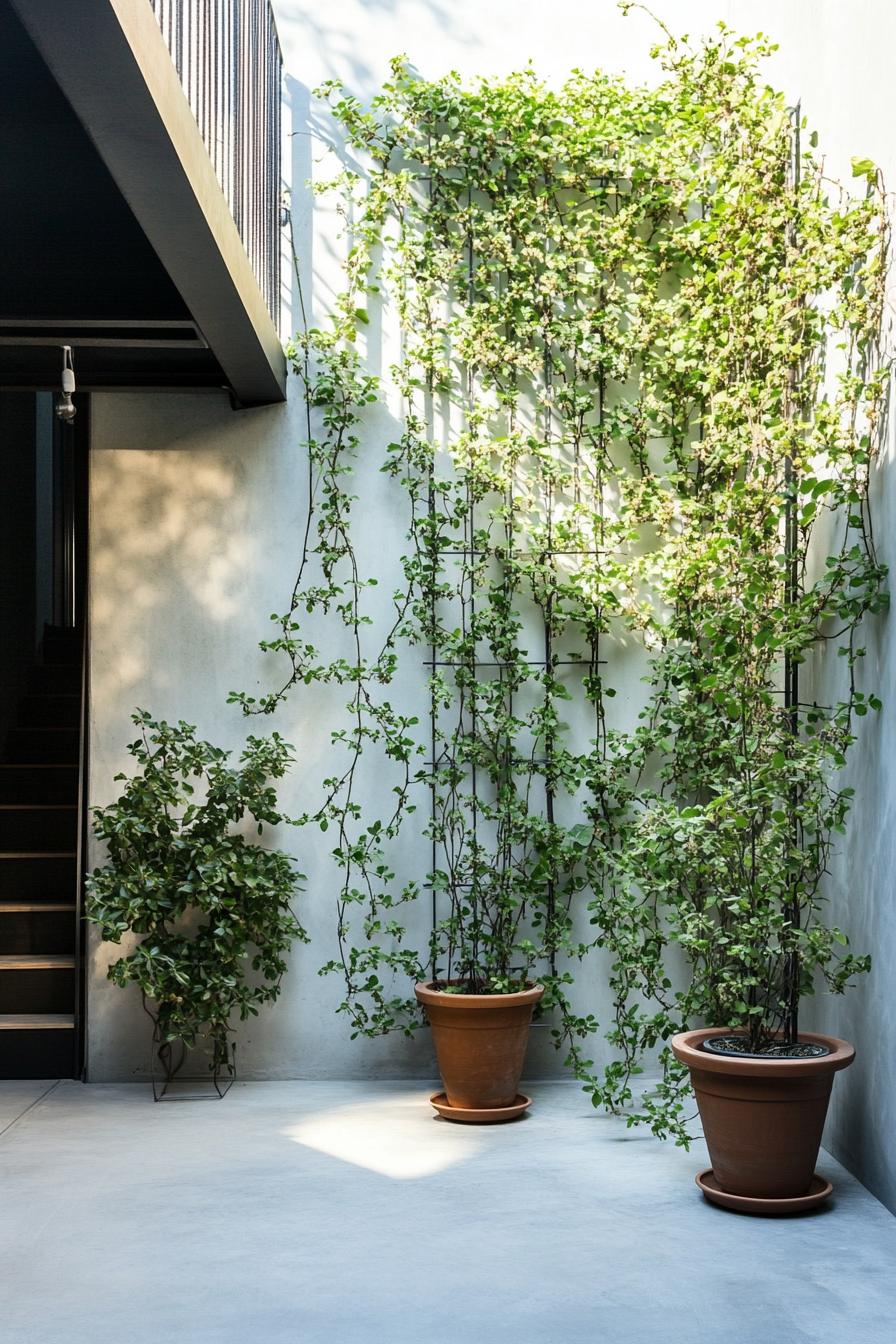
(207, 905)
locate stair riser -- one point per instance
(54, 679)
(35, 746)
(37, 879)
(50, 711)
(29, 933)
(37, 1054)
(25, 784)
(37, 991)
(38, 828)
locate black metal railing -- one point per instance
(227, 55)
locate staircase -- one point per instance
(39, 792)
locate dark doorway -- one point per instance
(43, 559)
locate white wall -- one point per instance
(195, 510)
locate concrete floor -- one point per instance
(344, 1212)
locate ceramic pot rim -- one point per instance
(686, 1048)
(426, 994)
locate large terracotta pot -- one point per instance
(480, 1042)
(762, 1118)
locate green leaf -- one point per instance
(864, 168)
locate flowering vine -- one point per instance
(642, 392)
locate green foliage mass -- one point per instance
(641, 396)
(209, 907)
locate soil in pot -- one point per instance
(480, 1042)
(762, 1115)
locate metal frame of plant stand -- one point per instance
(547, 662)
(791, 666)
(163, 1052)
(790, 690)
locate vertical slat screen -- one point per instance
(228, 58)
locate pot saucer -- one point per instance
(473, 1115)
(817, 1193)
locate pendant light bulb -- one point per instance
(65, 407)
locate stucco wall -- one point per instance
(195, 514)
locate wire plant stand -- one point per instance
(167, 1058)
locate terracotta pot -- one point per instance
(762, 1118)
(480, 1042)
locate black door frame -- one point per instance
(71, 569)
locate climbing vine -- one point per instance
(641, 395)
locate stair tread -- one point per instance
(38, 807)
(38, 854)
(22, 907)
(36, 962)
(35, 1021)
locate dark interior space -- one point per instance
(43, 516)
(71, 250)
(18, 545)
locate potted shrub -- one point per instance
(748, 913)
(206, 905)
(480, 1005)
(480, 1042)
(763, 1111)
